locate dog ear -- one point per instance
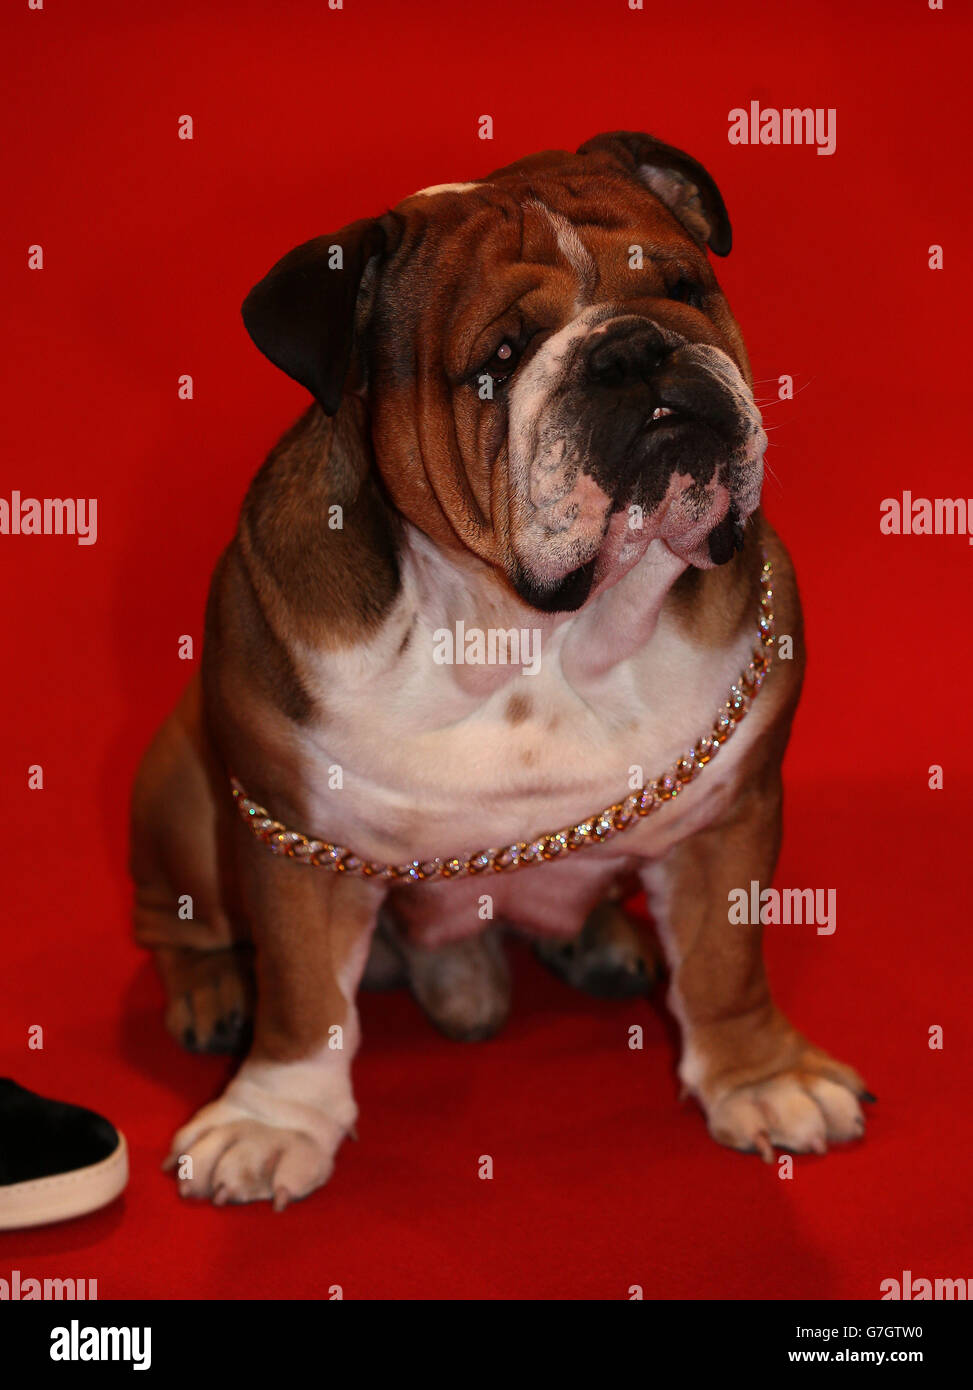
(302, 313)
(676, 178)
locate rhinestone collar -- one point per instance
(597, 828)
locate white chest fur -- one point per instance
(416, 756)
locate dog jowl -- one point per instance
(532, 413)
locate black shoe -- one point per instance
(56, 1160)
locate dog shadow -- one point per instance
(148, 1048)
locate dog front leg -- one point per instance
(274, 1133)
(759, 1081)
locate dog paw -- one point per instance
(212, 1012)
(462, 987)
(229, 1154)
(610, 958)
(799, 1111)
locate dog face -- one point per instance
(553, 376)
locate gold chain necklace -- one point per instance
(594, 830)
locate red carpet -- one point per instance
(305, 119)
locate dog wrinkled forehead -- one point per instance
(526, 223)
(550, 213)
(515, 200)
(672, 178)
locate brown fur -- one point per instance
(290, 578)
(291, 581)
(494, 260)
(518, 709)
(318, 581)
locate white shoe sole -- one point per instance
(63, 1195)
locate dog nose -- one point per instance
(627, 357)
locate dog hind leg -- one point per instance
(611, 957)
(463, 987)
(180, 910)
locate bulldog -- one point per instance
(533, 413)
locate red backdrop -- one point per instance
(306, 118)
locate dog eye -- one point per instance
(503, 363)
(686, 291)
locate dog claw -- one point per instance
(281, 1198)
(764, 1147)
(867, 1095)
